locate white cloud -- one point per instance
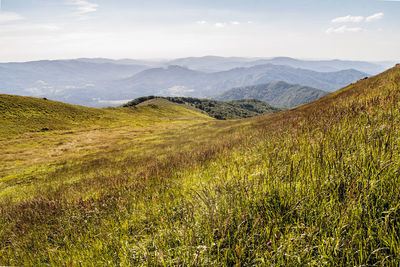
(352, 19)
(221, 24)
(6, 17)
(344, 29)
(376, 16)
(349, 18)
(358, 19)
(83, 6)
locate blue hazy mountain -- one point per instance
(101, 81)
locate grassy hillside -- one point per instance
(279, 94)
(38, 136)
(315, 185)
(29, 114)
(22, 114)
(220, 110)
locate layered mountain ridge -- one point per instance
(101, 82)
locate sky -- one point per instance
(164, 29)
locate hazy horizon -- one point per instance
(365, 30)
(204, 56)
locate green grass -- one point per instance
(30, 156)
(316, 185)
(221, 110)
(28, 114)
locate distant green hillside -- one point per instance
(279, 94)
(220, 110)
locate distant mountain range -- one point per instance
(180, 81)
(279, 94)
(49, 77)
(214, 64)
(101, 82)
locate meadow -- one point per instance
(165, 185)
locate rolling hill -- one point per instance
(279, 94)
(221, 110)
(21, 115)
(165, 185)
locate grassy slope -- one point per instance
(76, 135)
(222, 110)
(23, 114)
(28, 114)
(322, 187)
(316, 185)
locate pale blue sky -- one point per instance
(345, 29)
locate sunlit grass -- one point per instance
(317, 185)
